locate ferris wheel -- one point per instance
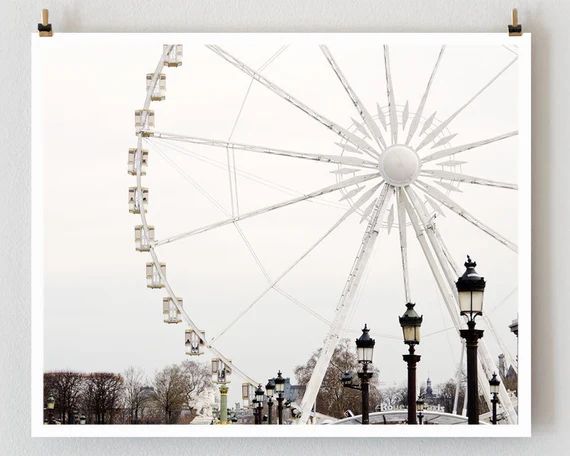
(395, 168)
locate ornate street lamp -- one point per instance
(470, 290)
(365, 352)
(347, 379)
(50, 407)
(494, 383)
(279, 389)
(259, 396)
(269, 392)
(411, 323)
(365, 347)
(420, 408)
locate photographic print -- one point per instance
(281, 235)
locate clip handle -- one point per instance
(515, 16)
(44, 28)
(515, 29)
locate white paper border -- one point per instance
(522, 429)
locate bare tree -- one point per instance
(135, 395)
(446, 396)
(103, 396)
(170, 392)
(394, 396)
(66, 388)
(333, 399)
(197, 382)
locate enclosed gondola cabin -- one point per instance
(136, 162)
(220, 371)
(194, 342)
(246, 389)
(144, 121)
(170, 311)
(143, 239)
(153, 279)
(159, 90)
(173, 55)
(135, 200)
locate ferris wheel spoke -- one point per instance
(335, 159)
(188, 178)
(323, 191)
(247, 175)
(483, 362)
(355, 206)
(418, 115)
(462, 148)
(449, 257)
(437, 130)
(430, 228)
(299, 304)
(403, 243)
(455, 207)
(391, 98)
(364, 114)
(443, 287)
(342, 132)
(345, 303)
(458, 177)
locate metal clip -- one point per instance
(44, 28)
(515, 29)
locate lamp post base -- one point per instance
(472, 336)
(412, 359)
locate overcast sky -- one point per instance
(99, 315)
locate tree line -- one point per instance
(175, 394)
(335, 400)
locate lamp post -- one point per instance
(494, 383)
(279, 389)
(223, 404)
(50, 408)
(259, 403)
(269, 391)
(364, 351)
(420, 408)
(411, 323)
(221, 375)
(470, 289)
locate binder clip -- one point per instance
(44, 28)
(515, 29)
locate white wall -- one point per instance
(547, 20)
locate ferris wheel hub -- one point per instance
(399, 165)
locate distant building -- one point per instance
(429, 390)
(508, 375)
(502, 366)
